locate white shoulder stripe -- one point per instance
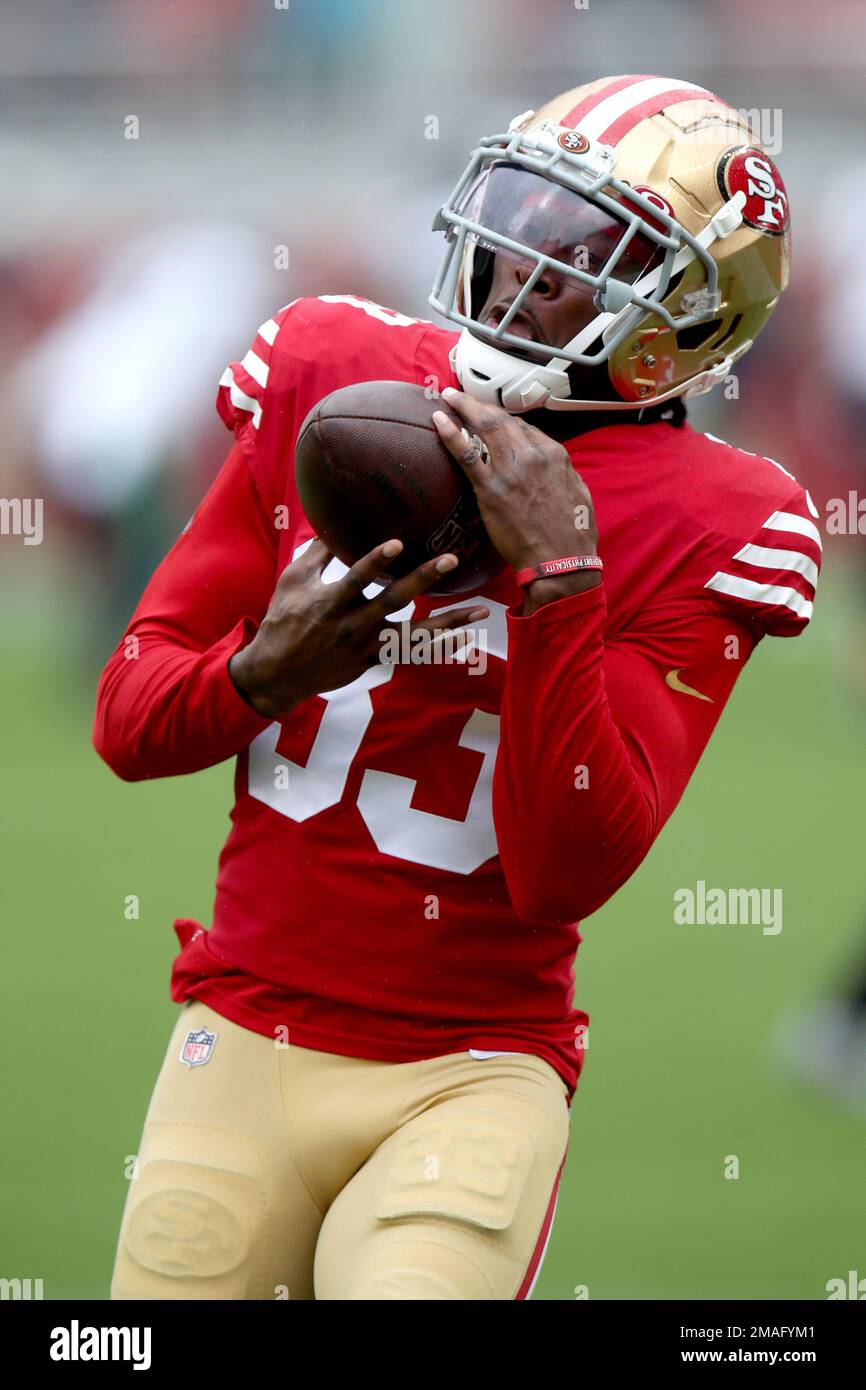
(764, 457)
(256, 368)
(799, 525)
(768, 557)
(772, 595)
(776, 464)
(239, 399)
(392, 317)
(269, 331)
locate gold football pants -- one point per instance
(271, 1172)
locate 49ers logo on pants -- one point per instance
(752, 172)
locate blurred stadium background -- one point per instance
(131, 271)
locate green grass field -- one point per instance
(679, 1072)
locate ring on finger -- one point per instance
(477, 451)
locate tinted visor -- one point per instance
(556, 222)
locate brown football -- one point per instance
(369, 465)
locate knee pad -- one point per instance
(193, 1230)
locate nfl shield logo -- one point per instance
(198, 1047)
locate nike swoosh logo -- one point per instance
(672, 679)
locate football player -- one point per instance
(367, 1092)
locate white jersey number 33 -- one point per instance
(384, 798)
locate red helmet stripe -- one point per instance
(629, 119)
(588, 102)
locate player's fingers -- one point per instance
(313, 562)
(365, 571)
(493, 424)
(314, 559)
(409, 641)
(402, 591)
(455, 617)
(467, 450)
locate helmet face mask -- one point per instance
(607, 250)
(559, 231)
(555, 261)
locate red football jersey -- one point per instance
(410, 855)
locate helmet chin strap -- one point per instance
(490, 375)
(494, 376)
(497, 378)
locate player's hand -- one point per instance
(532, 500)
(318, 636)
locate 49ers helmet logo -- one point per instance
(750, 171)
(573, 141)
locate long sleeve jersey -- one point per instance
(411, 855)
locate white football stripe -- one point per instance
(611, 108)
(769, 558)
(256, 368)
(239, 398)
(799, 525)
(770, 594)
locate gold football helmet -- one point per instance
(647, 194)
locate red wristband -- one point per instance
(567, 565)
